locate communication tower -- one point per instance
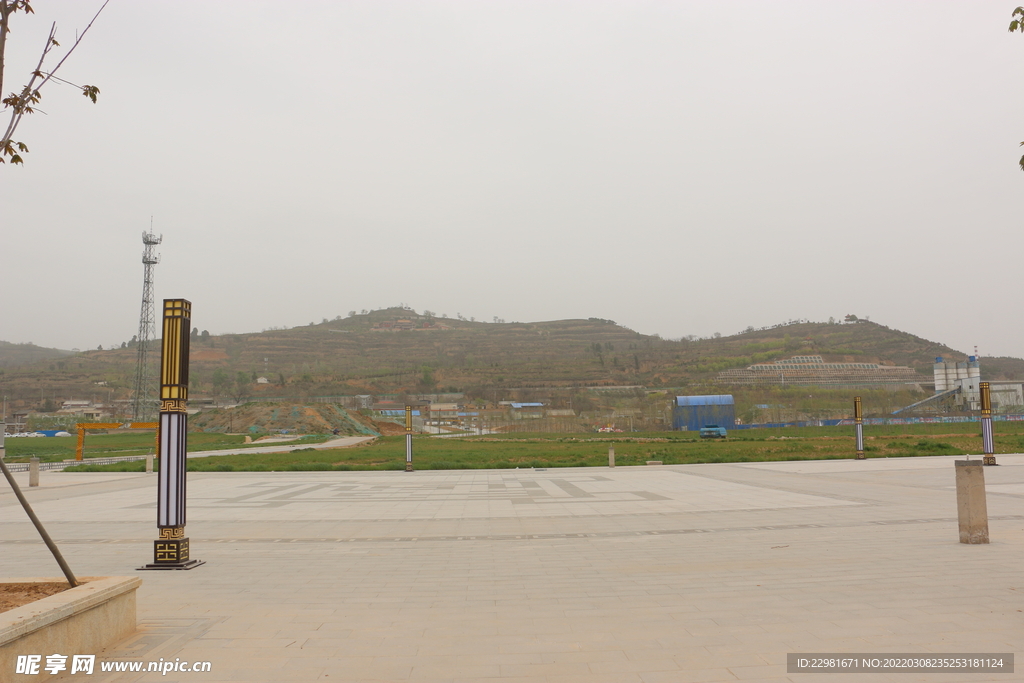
(144, 397)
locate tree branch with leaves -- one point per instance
(1018, 25)
(26, 101)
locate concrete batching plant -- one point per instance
(963, 376)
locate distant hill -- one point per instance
(395, 351)
(12, 355)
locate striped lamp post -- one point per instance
(170, 550)
(858, 421)
(408, 438)
(987, 441)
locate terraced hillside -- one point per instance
(398, 351)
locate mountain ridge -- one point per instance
(400, 351)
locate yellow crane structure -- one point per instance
(83, 427)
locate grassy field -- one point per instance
(134, 442)
(550, 450)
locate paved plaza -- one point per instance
(651, 574)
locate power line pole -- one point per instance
(144, 398)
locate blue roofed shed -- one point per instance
(693, 412)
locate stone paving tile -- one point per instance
(689, 676)
(621, 677)
(645, 664)
(443, 576)
(429, 671)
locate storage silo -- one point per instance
(950, 375)
(961, 370)
(939, 373)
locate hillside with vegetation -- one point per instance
(322, 418)
(398, 351)
(13, 355)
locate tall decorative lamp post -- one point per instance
(170, 550)
(408, 438)
(987, 441)
(858, 421)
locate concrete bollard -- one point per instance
(611, 456)
(33, 471)
(149, 463)
(972, 510)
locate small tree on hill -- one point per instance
(221, 381)
(243, 387)
(427, 381)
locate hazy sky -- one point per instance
(679, 167)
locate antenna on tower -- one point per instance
(144, 398)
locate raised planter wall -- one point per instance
(80, 621)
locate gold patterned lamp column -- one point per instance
(988, 444)
(408, 438)
(171, 550)
(858, 421)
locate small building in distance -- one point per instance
(444, 413)
(690, 413)
(527, 411)
(87, 410)
(1007, 397)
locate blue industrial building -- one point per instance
(693, 412)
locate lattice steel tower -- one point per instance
(144, 397)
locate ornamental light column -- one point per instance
(987, 441)
(858, 421)
(171, 550)
(408, 438)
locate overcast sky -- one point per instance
(678, 167)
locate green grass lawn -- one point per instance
(553, 450)
(127, 442)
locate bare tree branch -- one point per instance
(1018, 25)
(24, 102)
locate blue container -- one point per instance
(693, 412)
